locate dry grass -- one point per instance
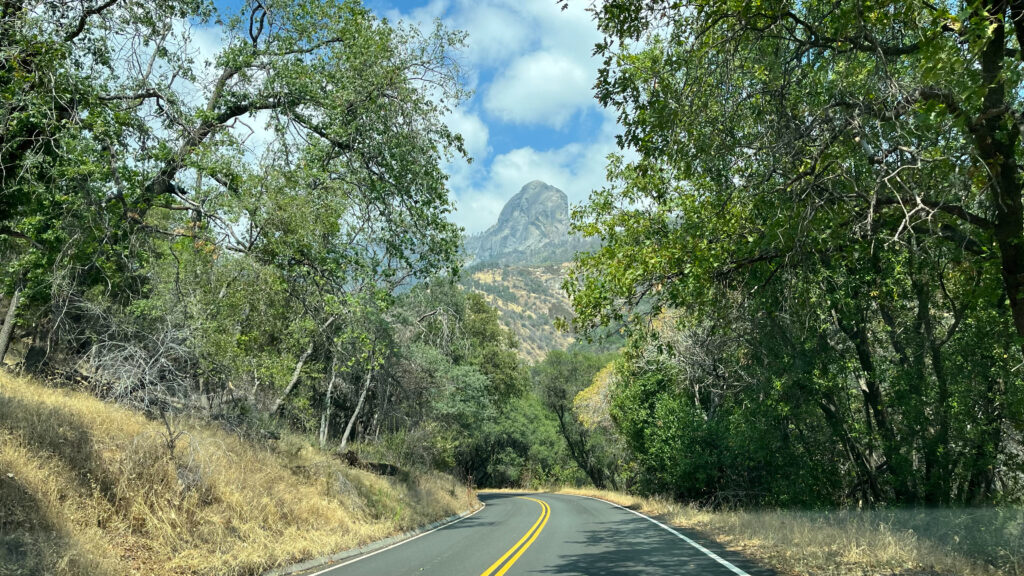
(91, 488)
(972, 542)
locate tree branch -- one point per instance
(80, 27)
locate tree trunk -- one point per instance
(325, 420)
(996, 137)
(294, 380)
(297, 372)
(869, 479)
(937, 449)
(8, 329)
(981, 485)
(578, 446)
(368, 381)
(871, 389)
(377, 418)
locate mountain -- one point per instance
(533, 228)
(528, 299)
(518, 265)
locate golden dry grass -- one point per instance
(983, 542)
(486, 276)
(91, 488)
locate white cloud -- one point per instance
(540, 55)
(577, 169)
(423, 15)
(543, 88)
(496, 33)
(513, 169)
(500, 30)
(474, 132)
(479, 211)
(531, 65)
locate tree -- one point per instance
(57, 164)
(559, 378)
(452, 392)
(845, 177)
(133, 204)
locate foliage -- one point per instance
(559, 379)
(257, 230)
(823, 213)
(461, 398)
(175, 263)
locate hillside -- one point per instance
(94, 489)
(518, 264)
(528, 300)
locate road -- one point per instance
(517, 534)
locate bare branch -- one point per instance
(89, 12)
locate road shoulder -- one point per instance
(316, 565)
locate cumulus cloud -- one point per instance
(474, 132)
(539, 56)
(577, 169)
(497, 32)
(532, 68)
(544, 88)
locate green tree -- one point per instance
(558, 379)
(61, 124)
(835, 186)
(458, 396)
(135, 210)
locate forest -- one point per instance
(815, 248)
(257, 235)
(811, 244)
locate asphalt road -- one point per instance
(550, 534)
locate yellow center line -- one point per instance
(528, 542)
(528, 538)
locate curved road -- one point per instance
(549, 534)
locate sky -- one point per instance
(532, 114)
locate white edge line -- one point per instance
(689, 541)
(396, 544)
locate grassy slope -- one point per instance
(527, 299)
(87, 487)
(904, 543)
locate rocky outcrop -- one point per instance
(533, 228)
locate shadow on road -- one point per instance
(625, 548)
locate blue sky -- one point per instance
(532, 115)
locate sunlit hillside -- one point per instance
(528, 299)
(89, 488)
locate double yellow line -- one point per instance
(517, 550)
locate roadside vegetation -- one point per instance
(228, 234)
(91, 488)
(934, 541)
(225, 239)
(812, 244)
(815, 251)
